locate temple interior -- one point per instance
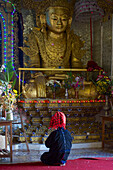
(55, 55)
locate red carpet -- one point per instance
(77, 164)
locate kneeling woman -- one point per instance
(59, 142)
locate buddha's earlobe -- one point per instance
(69, 26)
(43, 20)
(70, 21)
(43, 24)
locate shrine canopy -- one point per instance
(86, 9)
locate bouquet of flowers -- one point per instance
(104, 84)
(77, 82)
(68, 81)
(8, 98)
(8, 95)
(53, 84)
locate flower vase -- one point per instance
(3, 113)
(106, 107)
(9, 115)
(76, 94)
(66, 93)
(53, 95)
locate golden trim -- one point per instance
(51, 69)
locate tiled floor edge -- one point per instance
(43, 147)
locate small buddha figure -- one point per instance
(54, 44)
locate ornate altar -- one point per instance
(81, 118)
(81, 113)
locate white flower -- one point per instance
(77, 79)
(1, 92)
(2, 68)
(52, 82)
(58, 82)
(2, 88)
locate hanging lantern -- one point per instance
(86, 9)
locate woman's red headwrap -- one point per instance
(58, 120)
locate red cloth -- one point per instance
(91, 65)
(58, 120)
(104, 163)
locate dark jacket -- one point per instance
(59, 143)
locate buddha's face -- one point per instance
(57, 19)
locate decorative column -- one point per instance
(101, 52)
(6, 19)
(112, 52)
(9, 23)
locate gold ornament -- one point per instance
(41, 6)
(106, 5)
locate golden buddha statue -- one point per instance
(54, 44)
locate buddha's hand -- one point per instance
(37, 74)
